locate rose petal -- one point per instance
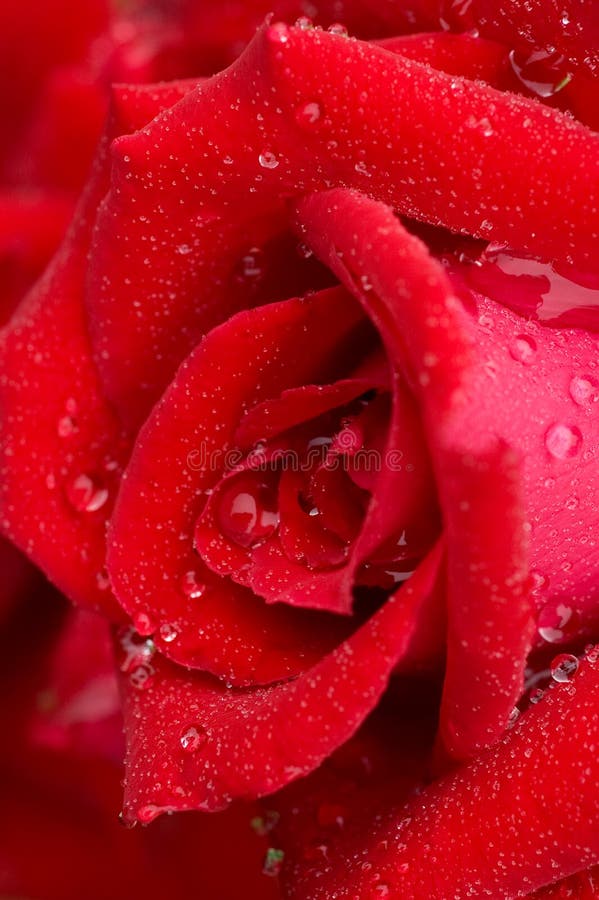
(520, 816)
(251, 742)
(163, 278)
(56, 495)
(162, 496)
(478, 476)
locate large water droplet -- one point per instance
(563, 441)
(247, 509)
(193, 738)
(338, 28)
(144, 623)
(168, 632)
(558, 295)
(564, 667)
(85, 494)
(273, 862)
(523, 349)
(192, 586)
(584, 390)
(541, 72)
(304, 22)
(268, 160)
(557, 622)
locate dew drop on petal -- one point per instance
(102, 580)
(273, 862)
(268, 160)
(305, 23)
(564, 667)
(584, 390)
(307, 115)
(193, 738)
(278, 33)
(66, 427)
(144, 624)
(513, 717)
(191, 585)
(141, 676)
(557, 622)
(563, 441)
(148, 813)
(168, 632)
(541, 72)
(251, 266)
(537, 695)
(523, 349)
(85, 494)
(303, 251)
(338, 28)
(247, 509)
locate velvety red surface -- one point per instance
(302, 415)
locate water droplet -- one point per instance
(251, 266)
(278, 33)
(191, 585)
(141, 676)
(564, 667)
(382, 890)
(362, 169)
(184, 249)
(273, 862)
(338, 28)
(144, 623)
(563, 441)
(308, 115)
(523, 349)
(403, 868)
(572, 502)
(247, 509)
(365, 283)
(557, 622)
(513, 717)
(102, 580)
(538, 581)
(541, 72)
(304, 22)
(193, 738)
(537, 695)
(303, 251)
(85, 494)
(584, 390)
(148, 813)
(137, 650)
(66, 427)
(168, 633)
(268, 160)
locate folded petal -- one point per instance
(521, 816)
(196, 744)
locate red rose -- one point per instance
(308, 455)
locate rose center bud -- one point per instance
(247, 508)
